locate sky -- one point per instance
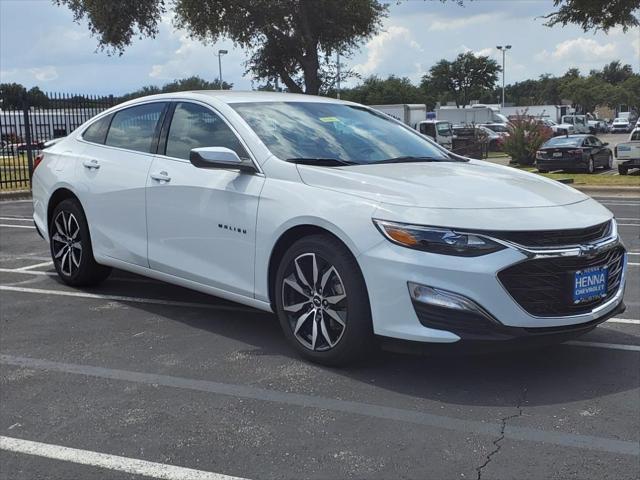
(41, 45)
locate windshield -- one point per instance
(345, 133)
(564, 142)
(498, 128)
(444, 129)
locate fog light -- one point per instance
(444, 299)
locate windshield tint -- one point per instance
(311, 130)
(563, 142)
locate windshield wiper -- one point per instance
(321, 162)
(411, 159)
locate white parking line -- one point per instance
(633, 264)
(614, 346)
(18, 219)
(117, 463)
(629, 224)
(122, 298)
(54, 274)
(631, 321)
(37, 265)
(16, 226)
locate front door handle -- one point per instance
(91, 164)
(161, 176)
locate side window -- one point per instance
(196, 126)
(635, 136)
(595, 142)
(97, 131)
(134, 128)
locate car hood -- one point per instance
(468, 185)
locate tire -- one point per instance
(331, 327)
(71, 249)
(542, 170)
(622, 170)
(609, 164)
(590, 166)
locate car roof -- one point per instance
(239, 96)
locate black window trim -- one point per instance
(112, 114)
(162, 144)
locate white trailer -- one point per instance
(475, 115)
(409, 114)
(543, 112)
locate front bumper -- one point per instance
(387, 269)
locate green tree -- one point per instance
(190, 83)
(290, 39)
(377, 91)
(614, 72)
(11, 95)
(466, 78)
(595, 14)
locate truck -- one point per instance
(474, 115)
(543, 112)
(628, 153)
(579, 122)
(415, 116)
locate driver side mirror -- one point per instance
(219, 157)
(605, 144)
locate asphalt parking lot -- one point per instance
(140, 377)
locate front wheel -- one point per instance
(609, 164)
(590, 166)
(622, 170)
(322, 302)
(71, 249)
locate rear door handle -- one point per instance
(161, 176)
(91, 164)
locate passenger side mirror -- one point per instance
(219, 157)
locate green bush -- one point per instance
(526, 136)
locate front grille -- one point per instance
(544, 287)
(556, 238)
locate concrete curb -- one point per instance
(15, 195)
(609, 190)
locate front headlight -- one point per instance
(437, 240)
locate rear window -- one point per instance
(134, 128)
(97, 131)
(564, 142)
(635, 136)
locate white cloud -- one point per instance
(445, 24)
(44, 74)
(584, 50)
(387, 46)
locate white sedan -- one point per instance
(351, 227)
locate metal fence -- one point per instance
(26, 124)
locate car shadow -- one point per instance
(551, 375)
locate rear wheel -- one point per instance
(71, 246)
(322, 302)
(542, 170)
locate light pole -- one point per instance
(220, 53)
(504, 51)
(338, 72)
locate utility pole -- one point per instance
(504, 51)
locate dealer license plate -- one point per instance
(590, 284)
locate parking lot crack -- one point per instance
(497, 443)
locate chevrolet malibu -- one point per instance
(352, 228)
